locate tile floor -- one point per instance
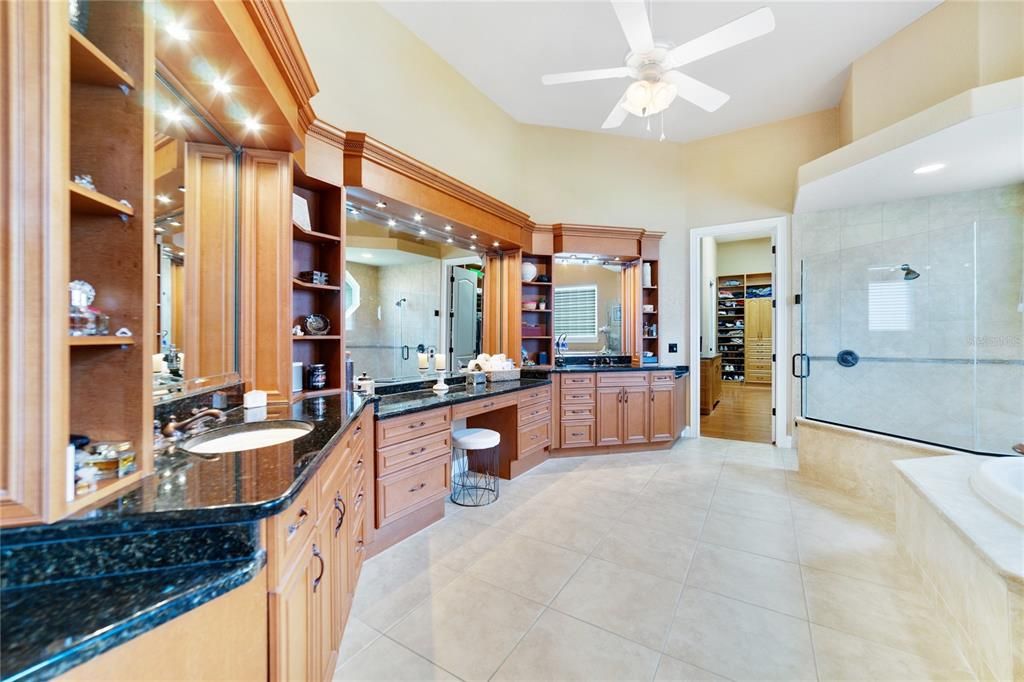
(712, 560)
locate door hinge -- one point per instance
(773, 302)
(796, 299)
(452, 278)
(773, 249)
(773, 357)
(451, 350)
(773, 411)
(451, 313)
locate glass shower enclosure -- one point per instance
(912, 318)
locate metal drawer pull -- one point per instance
(535, 436)
(487, 404)
(421, 486)
(359, 429)
(316, 580)
(359, 500)
(577, 433)
(339, 506)
(416, 426)
(360, 546)
(416, 452)
(294, 526)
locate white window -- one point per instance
(576, 313)
(890, 307)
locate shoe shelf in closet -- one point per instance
(319, 248)
(538, 326)
(110, 245)
(730, 296)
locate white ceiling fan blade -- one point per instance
(692, 90)
(579, 76)
(633, 16)
(746, 28)
(616, 117)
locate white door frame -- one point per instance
(778, 229)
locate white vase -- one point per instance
(529, 271)
(647, 274)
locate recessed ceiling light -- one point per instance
(177, 31)
(472, 236)
(174, 115)
(929, 168)
(367, 255)
(616, 258)
(221, 85)
(572, 255)
(449, 240)
(447, 228)
(422, 232)
(181, 188)
(175, 223)
(353, 210)
(497, 243)
(159, 230)
(163, 198)
(472, 247)
(391, 222)
(381, 204)
(418, 217)
(252, 125)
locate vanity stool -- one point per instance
(475, 461)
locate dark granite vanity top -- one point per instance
(680, 370)
(416, 401)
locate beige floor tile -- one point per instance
(635, 605)
(900, 619)
(749, 577)
(671, 491)
(845, 657)
(753, 479)
(855, 549)
(754, 505)
(388, 661)
(457, 542)
(587, 498)
(669, 517)
(468, 628)
(530, 568)
(562, 526)
(739, 640)
(673, 670)
(380, 601)
(767, 538)
(358, 636)
(493, 514)
(629, 479)
(559, 647)
(644, 549)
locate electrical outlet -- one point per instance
(673, 348)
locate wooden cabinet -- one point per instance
(295, 611)
(634, 414)
(414, 459)
(662, 415)
(577, 414)
(609, 415)
(758, 348)
(710, 383)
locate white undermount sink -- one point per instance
(249, 436)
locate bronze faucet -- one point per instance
(173, 427)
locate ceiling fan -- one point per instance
(653, 65)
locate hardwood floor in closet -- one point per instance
(744, 413)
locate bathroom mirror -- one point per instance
(588, 304)
(196, 240)
(413, 292)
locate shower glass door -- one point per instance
(911, 319)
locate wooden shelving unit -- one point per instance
(321, 248)
(542, 320)
(731, 323)
(110, 137)
(649, 320)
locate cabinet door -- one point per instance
(764, 312)
(662, 414)
(323, 597)
(295, 619)
(634, 414)
(337, 541)
(609, 416)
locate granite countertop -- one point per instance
(399, 404)
(680, 370)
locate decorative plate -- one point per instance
(85, 288)
(316, 324)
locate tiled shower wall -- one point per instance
(375, 343)
(942, 356)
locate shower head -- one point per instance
(909, 273)
(400, 302)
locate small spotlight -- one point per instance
(181, 188)
(353, 210)
(496, 244)
(174, 115)
(472, 247)
(163, 198)
(418, 217)
(422, 232)
(472, 236)
(447, 228)
(159, 230)
(222, 86)
(381, 204)
(252, 125)
(175, 223)
(391, 222)
(177, 31)
(449, 240)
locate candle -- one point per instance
(439, 362)
(423, 360)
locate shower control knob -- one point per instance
(847, 358)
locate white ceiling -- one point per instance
(503, 48)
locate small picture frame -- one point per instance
(300, 212)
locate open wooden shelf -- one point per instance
(79, 341)
(315, 287)
(304, 395)
(317, 337)
(90, 66)
(534, 310)
(536, 284)
(304, 235)
(106, 488)
(89, 202)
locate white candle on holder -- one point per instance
(423, 360)
(439, 362)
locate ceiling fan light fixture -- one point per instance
(662, 96)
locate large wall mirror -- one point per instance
(413, 292)
(588, 305)
(195, 228)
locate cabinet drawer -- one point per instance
(577, 395)
(401, 429)
(541, 394)
(412, 452)
(410, 489)
(577, 434)
(483, 405)
(534, 436)
(357, 497)
(622, 379)
(577, 380)
(759, 366)
(662, 378)
(357, 550)
(578, 411)
(288, 531)
(330, 480)
(531, 413)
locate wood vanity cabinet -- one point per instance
(622, 408)
(662, 416)
(314, 554)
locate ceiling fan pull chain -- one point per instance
(662, 138)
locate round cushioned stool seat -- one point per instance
(475, 439)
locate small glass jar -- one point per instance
(317, 378)
(81, 320)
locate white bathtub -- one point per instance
(1000, 482)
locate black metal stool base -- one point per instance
(474, 477)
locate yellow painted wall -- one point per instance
(955, 47)
(744, 257)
